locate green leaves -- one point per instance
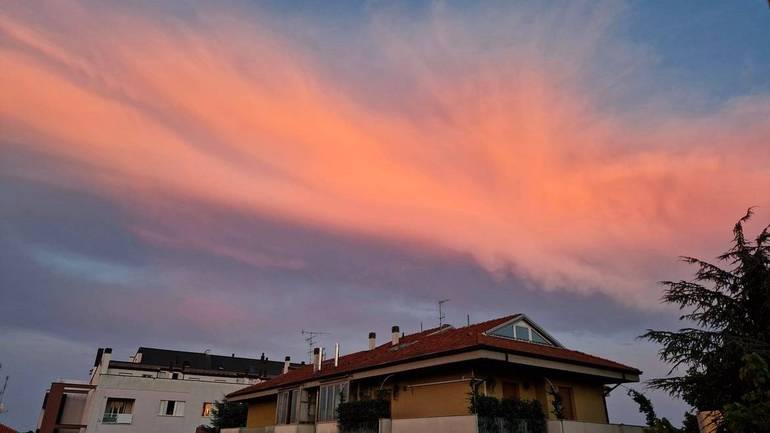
(361, 414)
(228, 414)
(512, 412)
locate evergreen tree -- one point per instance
(228, 414)
(728, 309)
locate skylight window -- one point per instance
(520, 331)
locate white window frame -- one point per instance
(286, 397)
(324, 411)
(524, 322)
(178, 408)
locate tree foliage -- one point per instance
(557, 406)
(228, 414)
(362, 415)
(727, 308)
(508, 414)
(752, 413)
(661, 425)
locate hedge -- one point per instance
(361, 414)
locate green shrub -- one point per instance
(361, 414)
(485, 406)
(507, 415)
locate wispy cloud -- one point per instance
(498, 133)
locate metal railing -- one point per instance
(117, 418)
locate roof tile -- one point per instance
(434, 342)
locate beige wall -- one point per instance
(453, 424)
(425, 396)
(588, 399)
(444, 392)
(530, 387)
(261, 413)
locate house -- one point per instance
(156, 391)
(428, 378)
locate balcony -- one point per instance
(117, 418)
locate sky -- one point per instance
(199, 175)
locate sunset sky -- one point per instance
(220, 175)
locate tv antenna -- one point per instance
(441, 315)
(310, 339)
(2, 392)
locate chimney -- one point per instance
(98, 358)
(336, 355)
(316, 359)
(395, 335)
(106, 356)
(286, 363)
(262, 358)
(372, 340)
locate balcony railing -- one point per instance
(117, 418)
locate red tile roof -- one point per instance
(6, 429)
(432, 343)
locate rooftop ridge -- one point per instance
(430, 343)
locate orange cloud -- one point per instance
(503, 151)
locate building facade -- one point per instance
(156, 391)
(429, 377)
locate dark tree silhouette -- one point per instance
(728, 310)
(227, 414)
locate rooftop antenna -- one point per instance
(441, 315)
(310, 339)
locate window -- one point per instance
(506, 331)
(207, 407)
(287, 406)
(522, 332)
(118, 411)
(537, 338)
(330, 396)
(171, 408)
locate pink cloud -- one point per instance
(502, 151)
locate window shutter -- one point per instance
(179, 408)
(163, 405)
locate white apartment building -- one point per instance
(156, 391)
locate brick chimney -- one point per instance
(106, 357)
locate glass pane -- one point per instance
(294, 398)
(522, 333)
(537, 338)
(322, 404)
(506, 331)
(281, 410)
(329, 402)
